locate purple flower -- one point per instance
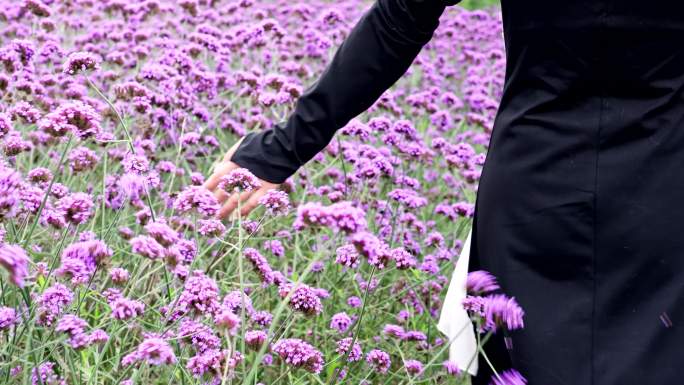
(153, 350)
(98, 336)
(500, 310)
(413, 366)
(299, 354)
(162, 233)
(8, 317)
(496, 310)
(124, 308)
(260, 265)
(211, 227)
(354, 301)
(10, 184)
(403, 259)
(451, 368)
(45, 375)
(81, 61)
(407, 197)
(77, 207)
(227, 320)
(147, 247)
(340, 322)
(79, 260)
(119, 275)
(481, 282)
(82, 159)
(343, 347)
(376, 251)
(303, 298)
(197, 198)
(255, 338)
(198, 335)
(210, 362)
(37, 8)
(341, 216)
(200, 296)
(394, 331)
(275, 246)
(51, 303)
(347, 256)
(239, 179)
(5, 124)
(379, 360)
(508, 377)
(74, 116)
(276, 202)
(14, 259)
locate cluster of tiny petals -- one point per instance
(8, 317)
(379, 360)
(76, 117)
(197, 198)
(303, 298)
(343, 345)
(15, 261)
(260, 264)
(481, 282)
(341, 216)
(496, 311)
(276, 202)
(508, 377)
(75, 327)
(347, 256)
(81, 61)
(154, 350)
(239, 179)
(299, 354)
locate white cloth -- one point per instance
(453, 318)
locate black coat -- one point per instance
(580, 200)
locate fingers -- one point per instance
(232, 203)
(252, 202)
(220, 170)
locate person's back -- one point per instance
(578, 204)
(587, 146)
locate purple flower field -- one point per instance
(113, 266)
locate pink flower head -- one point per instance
(14, 259)
(81, 61)
(299, 354)
(239, 179)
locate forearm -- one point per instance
(377, 52)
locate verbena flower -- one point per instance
(52, 302)
(77, 207)
(413, 366)
(303, 298)
(197, 198)
(343, 346)
(81, 61)
(508, 377)
(154, 350)
(8, 317)
(481, 282)
(14, 259)
(340, 322)
(239, 179)
(276, 202)
(299, 354)
(379, 360)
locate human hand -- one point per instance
(247, 200)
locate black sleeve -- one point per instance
(375, 54)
